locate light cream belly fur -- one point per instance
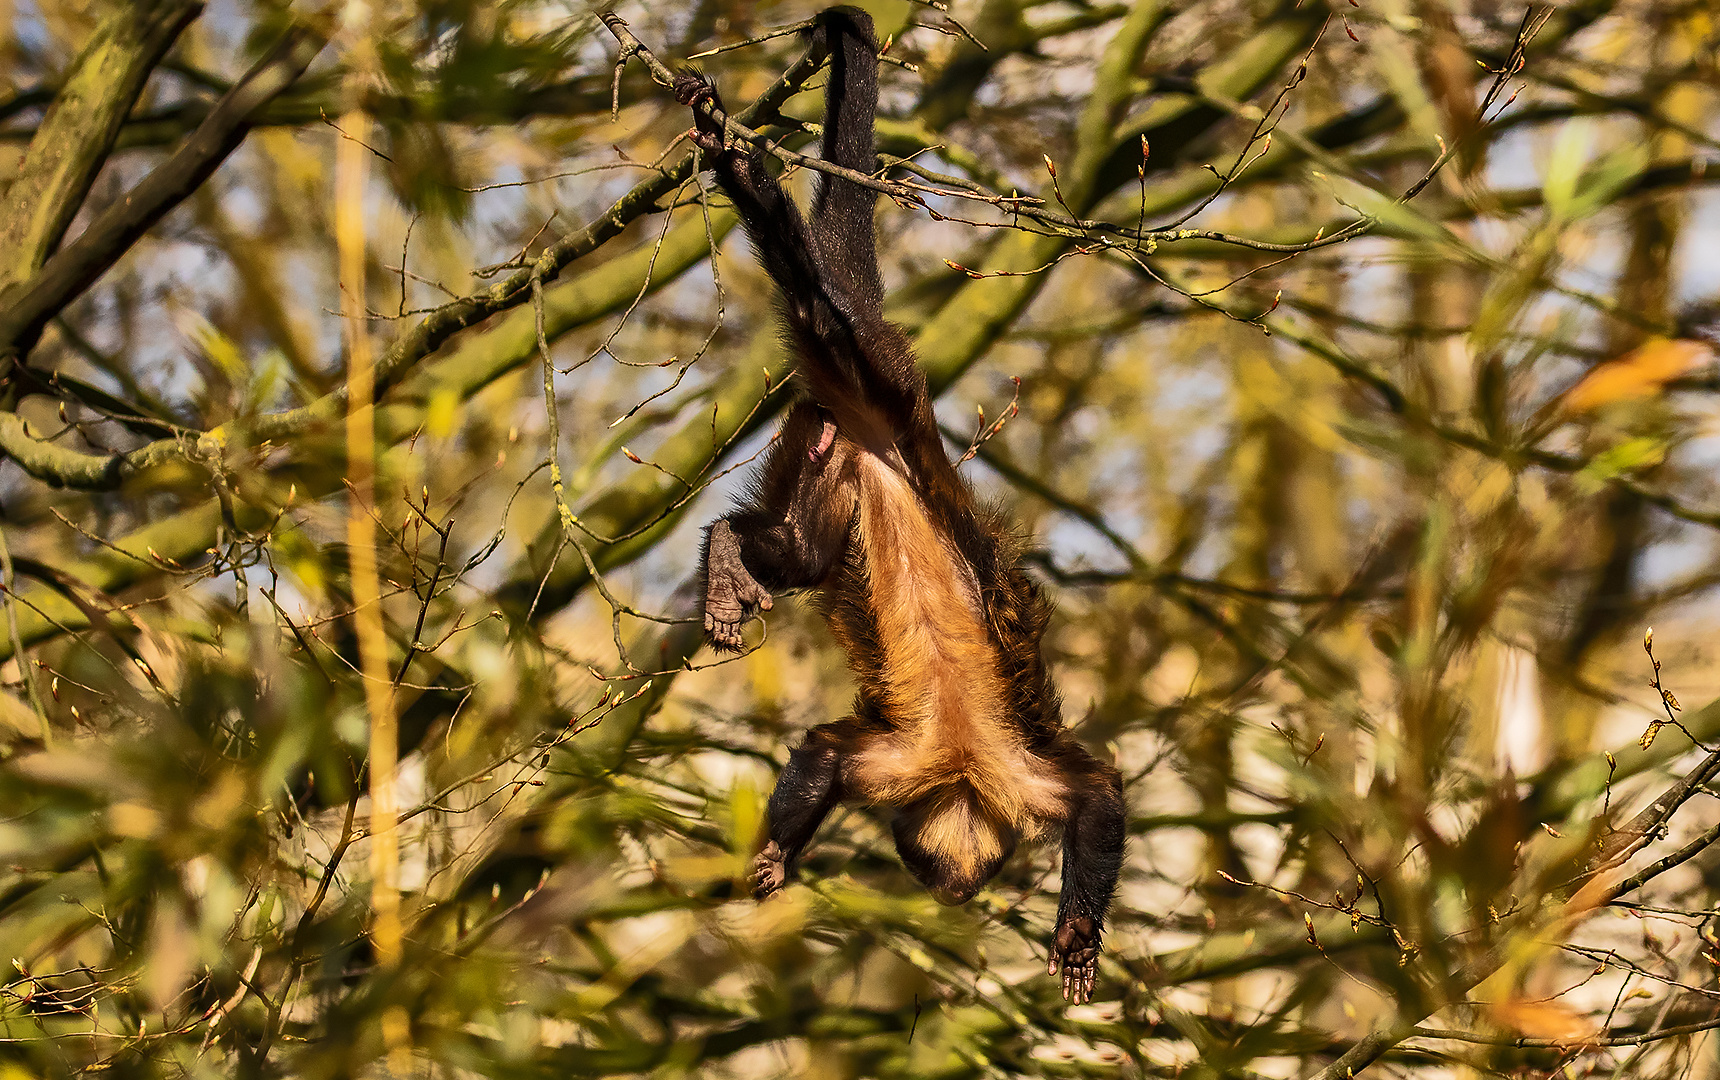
(954, 746)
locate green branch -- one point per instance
(186, 536)
(77, 266)
(79, 130)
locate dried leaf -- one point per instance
(1544, 1020)
(1639, 373)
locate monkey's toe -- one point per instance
(732, 598)
(1075, 952)
(754, 597)
(710, 142)
(692, 89)
(1079, 975)
(725, 631)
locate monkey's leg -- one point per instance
(772, 220)
(1092, 856)
(807, 790)
(815, 288)
(790, 534)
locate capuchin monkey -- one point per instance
(957, 728)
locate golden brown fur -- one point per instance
(955, 754)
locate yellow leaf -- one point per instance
(746, 811)
(1642, 372)
(442, 413)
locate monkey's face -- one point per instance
(951, 844)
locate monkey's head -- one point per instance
(951, 844)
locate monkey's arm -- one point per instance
(1092, 856)
(807, 790)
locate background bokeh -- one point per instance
(1354, 545)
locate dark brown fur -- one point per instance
(957, 726)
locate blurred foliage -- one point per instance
(1353, 544)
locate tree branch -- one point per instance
(1137, 30)
(78, 132)
(77, 266)
(186, 536)
(98, 473)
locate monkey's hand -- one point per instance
(1075, 951)
(692, 89)
(731, 594)
(770, 871)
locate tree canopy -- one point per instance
(367, 371)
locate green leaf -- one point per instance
(1395, 218)
(1608, 178)
(1626, 457)
(1570, 151)
(265, 383)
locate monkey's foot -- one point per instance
(1075, 951)
(731, 594)
(770, 871)
(692, 89)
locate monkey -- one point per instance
(956, 731)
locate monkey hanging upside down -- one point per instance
(957, 726)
